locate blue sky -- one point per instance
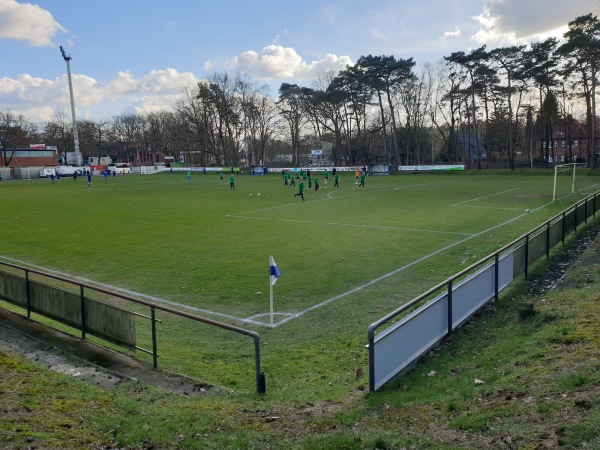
(136, 55)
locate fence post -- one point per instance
(496, 277)
(261, 382)
(526, 255)
(564, 225)
(83, 313)
(371, 343)
(27, 294)
(548, 240)
(154, 349)
(449, 307)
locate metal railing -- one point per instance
(260, 376)
(543, 237)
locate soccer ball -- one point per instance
(250, 193)
(527, 210)
(396, 188)
(258, 194)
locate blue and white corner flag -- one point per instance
(275, 272)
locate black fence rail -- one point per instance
(73, 304)
(417, 326)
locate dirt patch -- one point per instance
(582, 255)
(84, 360)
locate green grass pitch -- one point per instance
(348, 256)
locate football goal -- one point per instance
(565, 168)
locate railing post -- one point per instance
(496, 276)
(83, 312)
(548, 240)
(564, 226)
(526, 255)
(27, 294)
(261, 382)
(449, 295)
(154, 349)
(371, 343)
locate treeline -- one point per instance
(508, 101)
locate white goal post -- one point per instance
(564, 168)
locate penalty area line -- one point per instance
(485, 196)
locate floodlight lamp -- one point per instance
(64, 55)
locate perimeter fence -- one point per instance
(415, 328)
(103, 313)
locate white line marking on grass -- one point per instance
(313, 222)
(290, 316)
(489, 207)
(485, 196)
(394, 272)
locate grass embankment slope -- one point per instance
(538, 386)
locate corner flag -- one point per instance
(274, 270)
(275, 273)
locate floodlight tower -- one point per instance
(75, 134)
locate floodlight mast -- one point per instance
(75, 134)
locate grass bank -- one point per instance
(500, 382)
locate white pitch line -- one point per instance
(347, 192)
(291, 316)
(490, 207)
(394, 272)
(381, 227)
(485, 196)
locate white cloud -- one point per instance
(149, 104)
(38, 98)
(166, 81)
(512, 21)
(27, 22)
(278, 62)
(451, 34)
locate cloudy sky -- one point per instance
(137, 55)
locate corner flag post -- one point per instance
(274, 273)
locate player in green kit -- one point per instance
(316, 184)
(325, 176)
(362, 180)
(300, 190)
(336, 179)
